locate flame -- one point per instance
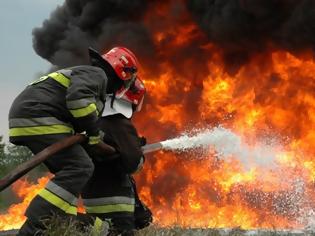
(14, 218)
(268, 99)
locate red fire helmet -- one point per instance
(123, 61)
(126, 102)
(134, 94)
(125, 64)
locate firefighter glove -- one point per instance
(93, 140)
(143, 141)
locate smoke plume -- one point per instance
(245, 27)
(240, 28)
(64, 38)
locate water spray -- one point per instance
(223, 142)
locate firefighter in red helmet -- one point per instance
(111, 195)
(56, 106)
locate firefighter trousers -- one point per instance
(112, 196)
(72, 168)
(109, 195)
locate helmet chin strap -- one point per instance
(112, 100)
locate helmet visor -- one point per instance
(131, 74)
(134, 94)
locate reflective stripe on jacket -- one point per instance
(63, 101)
(38, 126)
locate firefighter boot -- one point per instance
(31, 227)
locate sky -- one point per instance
(19, 63)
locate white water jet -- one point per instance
(225, 144)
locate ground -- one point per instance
(177, 231)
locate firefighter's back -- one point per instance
(41, 109)
(42, 99)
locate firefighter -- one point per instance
(56, 106)
(111, 193)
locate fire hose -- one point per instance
(40, 157)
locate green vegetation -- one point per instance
(57, 226)
(70, 228)
(10, 157)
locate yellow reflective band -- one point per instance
(79, 103)
(40, 130)
(39, 80)
(84, 111)
(60, 78)
(94, 140)
(110, 208)
(58, 202)
(97, 227)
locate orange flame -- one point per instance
(14, 217)
(269, 98)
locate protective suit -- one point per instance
(111, 193)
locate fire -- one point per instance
(268, 98)
(14, 217)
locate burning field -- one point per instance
(245, 65)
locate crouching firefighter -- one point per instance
(56, 106)
(111, 195)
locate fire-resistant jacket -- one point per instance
(110, 192)
(122, 135)
(64, 101)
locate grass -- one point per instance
(71, 227)
(57, 228)
(61, 227)
(178, 231)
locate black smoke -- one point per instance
(242, 28)
(63, 39)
